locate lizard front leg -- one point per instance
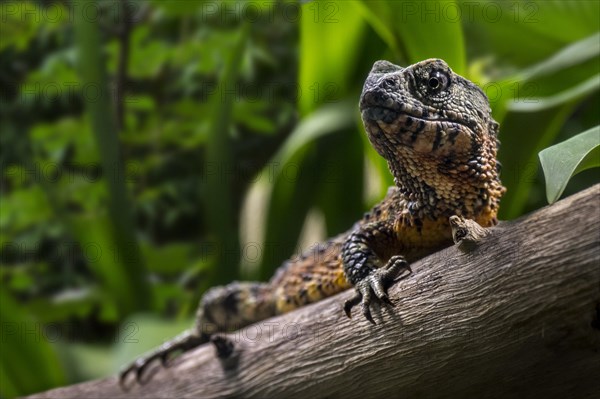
(364, 268)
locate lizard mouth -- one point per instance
(375, 114)
(404, 117)
(388, 127)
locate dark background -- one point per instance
(152, 149)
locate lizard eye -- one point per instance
(437, 81)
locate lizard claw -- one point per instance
(376, 282)
(350, 303)
(164, 353)
(386, 299)
(138, 368)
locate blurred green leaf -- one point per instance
(219, 209)
(408, 29)
(123, 276)
(562, 161)
(28, 362)
(379, 15)
(533, 132)
(534, 127)
(20, 280)
(141, 333)
(530, 122)
(21, 23)
(568, 67)
(52, 142)
(325, 120)
(251, 114)
(326, 66)
(341, 184)
(65, 305)
(182, 8)
(147, 56)
(519, 33)
(24, 208)
(538, 104)
(168, 259)
(86, 362)
(295, 172)
(577, 19)
(573, 54)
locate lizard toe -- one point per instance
(141, 366)
(350, 303)
(376, 283)
(123, 374)
(366, 305)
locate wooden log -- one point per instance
(516, 316)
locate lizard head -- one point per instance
(437, 133)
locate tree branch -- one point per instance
(514, 317)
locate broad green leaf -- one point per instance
(65, 305)
(571, 55)
(523, 32)
(219, 210)
(23, 208)
(168, 259)
(378, 14)
(106, 259)
(538, 104)
(28, 362)
(526, 83)
(133, 292)
(22, 21)
(532, 107)
(341, 185)
(420, 30)
(532, 126)
(147, 57)
(295, 172)
(325, 120)
(327, 66)
(185, 8)
(564, 160)
(576, 19)
(291, 197)
(523, 134)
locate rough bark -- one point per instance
(517, 316)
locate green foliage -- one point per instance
(135, 199)
(25, 353)
(297, 168)
(121, 276)
(400, 25)
(563, 160)
(219, 206)
(544, 96)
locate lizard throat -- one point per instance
(435, 188)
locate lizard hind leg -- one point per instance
(234, 306)
(221, 309)
(315, 274)
(187, 340)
